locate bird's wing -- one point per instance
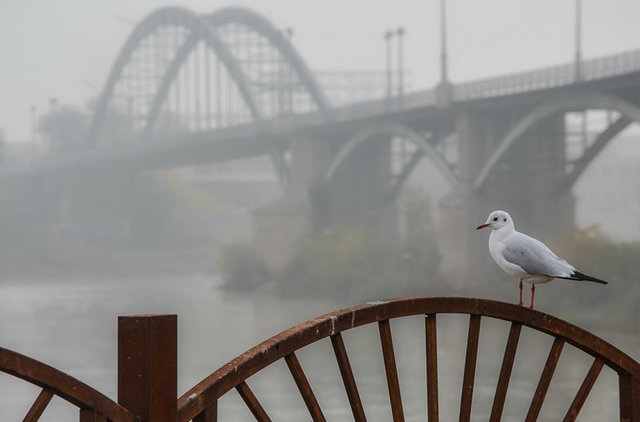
(534, 256)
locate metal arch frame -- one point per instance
(392, 129)
(56, 383)
(203, 28)
(595, 100)
(265, 28)
(260, 25)
(158, 18)
(234, 69)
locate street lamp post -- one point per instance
(443, 90)
(399, 33)
(578, 59)
(387, 36)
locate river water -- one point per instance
(73, 326)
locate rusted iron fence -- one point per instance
(147, 356)
(200, 403)
(92, 405)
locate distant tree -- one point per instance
(63, 128)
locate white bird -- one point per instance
(524, 257)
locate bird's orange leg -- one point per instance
(520, 303)
(533, 292)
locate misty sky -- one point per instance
(65, 48)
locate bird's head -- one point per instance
(496, 220)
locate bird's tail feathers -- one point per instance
(577, 275)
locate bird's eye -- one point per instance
(504, 219)
(495, 218)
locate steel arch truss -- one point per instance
(168, 63)
(629, 113)
(424, 147)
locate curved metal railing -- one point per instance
(201, 402)
(92, 405)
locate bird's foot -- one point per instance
(520, 302)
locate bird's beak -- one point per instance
(482, 226)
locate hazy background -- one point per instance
(63, 310)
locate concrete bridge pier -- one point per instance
(525, 182)
(356, 192)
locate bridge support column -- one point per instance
(525, 183)
(357, 190)
(278, 227)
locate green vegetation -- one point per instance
(241, 267)
(354, 262)
(350, 262)
(617, 303)
(64, 128)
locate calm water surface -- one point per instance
(72, 326)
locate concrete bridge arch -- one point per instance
(630, 113)
(390, 130)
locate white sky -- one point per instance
(65, 48)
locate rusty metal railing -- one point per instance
(200, 403)
(92, 405)
(147, 365)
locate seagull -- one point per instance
(526, 258)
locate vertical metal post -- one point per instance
(387, 36)
(443, 42)
(218, 94)
(443, 90)
(147, 366)
(400, 33)
(207, 83)
(578, 59)
(289, 80)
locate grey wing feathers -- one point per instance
(535, 257)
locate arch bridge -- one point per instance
(188, 89)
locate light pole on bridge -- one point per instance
(578, 35)
(400, 33)
(443, 90)
(387, 36)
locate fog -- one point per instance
(246, 229)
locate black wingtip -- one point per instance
(577, 275)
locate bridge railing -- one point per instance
(92, 405)
(550, 77)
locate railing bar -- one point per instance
(252, 402)
(505, 372)
(391, 370)
(469, 368)
(347, 378)
(209, 415)
(431, 341)
(545, 380)
(629, 391)
(303, 386)
(584, 390)
(38, 406)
